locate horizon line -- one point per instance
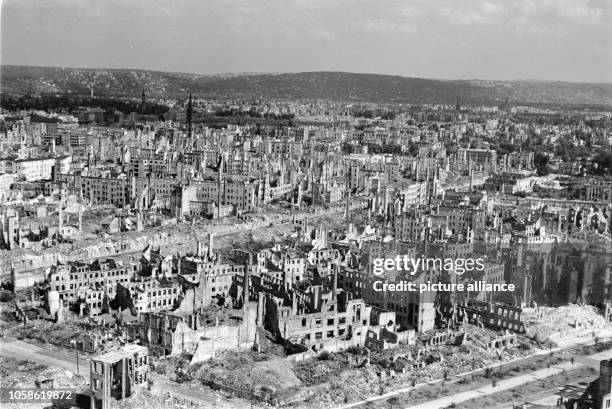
(253, 73)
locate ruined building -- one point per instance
(115, 374)
(147, 296)
(189, 332)
(204, 278)
(598, 394)
(318, 320)
(90, 283)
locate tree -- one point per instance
(394, 400)
(6, 296)
(451, 148)
(505, 148)
(541, 163)
(603, 160)
(413, 149)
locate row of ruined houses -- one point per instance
(170, 305)
(312, 319)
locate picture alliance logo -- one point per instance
(413, 265)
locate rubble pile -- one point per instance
(343, 377)
(15, 373)
(18, 373)
(551, 322)
(244, 374)
(144, 399)
(61, 335)
(279, 371)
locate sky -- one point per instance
(567, 40)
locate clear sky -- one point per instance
(489, 39)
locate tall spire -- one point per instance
(457, 106)
(189, 116)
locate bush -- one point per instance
(540, 338)
(161, 367)
(355, 350)
(324, 356)
(385, 363)
(524, 347)
(6, 296)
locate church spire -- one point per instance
(143, 102)
(189, 116)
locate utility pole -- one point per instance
(76, 350)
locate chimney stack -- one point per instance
(61, 217)
(80, 219)
(335, 282)
(199, 248)
(245, 286)
(210, 245)
(13, 279)
(471, 179)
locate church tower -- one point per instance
(143, 102)
(189, 116)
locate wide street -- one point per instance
(505, 384)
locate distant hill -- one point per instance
(325, 85)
